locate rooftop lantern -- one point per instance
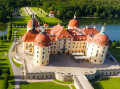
(86, 26)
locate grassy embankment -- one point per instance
(108, 83)
(115, 52)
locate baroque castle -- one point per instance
(41, 43)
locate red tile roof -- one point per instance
(73, 23)
(42, 40)
(29, 37)
(30, 23)
(51, 12)
(101, 39)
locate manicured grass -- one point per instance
(115, 52)
(23, 12)
(21, 33)
(73, 87)
(17, 64)
(4, 63)
(23, 19)
(0, 85)
(63, 82)
(35, 9)
(42, 85)
(108, 83)
(50, 20)
(1, 55)
(41, 15)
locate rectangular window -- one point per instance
(37, 56)
(43, 57)
(37, 51)
(96, 55)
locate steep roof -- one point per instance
(29, 37)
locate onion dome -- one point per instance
(73, 23)
(42, 40)
(30, 22)
(101, 38)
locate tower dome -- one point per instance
(101, 38)
(32, 24)
(42, 40)
(73, 23)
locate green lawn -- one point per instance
(21, 33)
(63, 82)
(50, 20)
(4, 63)
(73, 87)
(1, 54)
(23, 19)
(35, 9)
(41, 14)
(115, 52)
(17, 64)
(23, 12)
(42, 85)
(108, 83)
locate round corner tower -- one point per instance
(98, 47)
(41, 49)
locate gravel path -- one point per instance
(17, 72)
(25, 11)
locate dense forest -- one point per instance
(66, 8)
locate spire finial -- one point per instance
(103, 29)
(32, 16)
(74, 16)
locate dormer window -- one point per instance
(39, 43)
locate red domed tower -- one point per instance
(32, 24)
(97, 50)
(41, 49)
(73, 23)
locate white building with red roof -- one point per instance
(51, 14)
(57, 40)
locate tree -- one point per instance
(5, 37)
(1, 37)
(10, 26)
(69, 14)
(114, 44)
(118, 42)
(116, 15)
(6, 81)
(95, 14)
(111, 16)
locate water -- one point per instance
(3, 29)
(112, 27)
